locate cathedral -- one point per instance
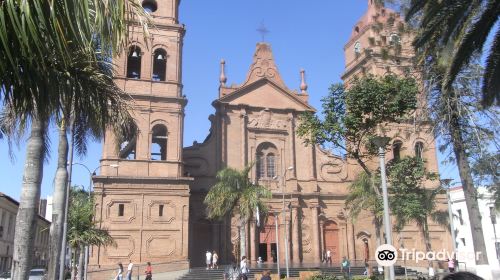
(151, 189)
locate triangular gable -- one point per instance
(266, 93)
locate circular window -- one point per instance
(149, 6)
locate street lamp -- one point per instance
(65, 226)
(283, 178)
(381, 142)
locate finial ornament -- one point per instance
(303, 85)
(222, 77)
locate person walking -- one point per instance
(208, 257)
(451, 265)
(129, 270)
(346, 267)
(215, 259)
(329, 256)
(244, 268)
(149, 272)
(119, 274)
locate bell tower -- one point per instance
(142, 197)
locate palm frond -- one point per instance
(491, 83)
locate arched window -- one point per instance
(128, 141)
(159, 143)
(357, 48)
(419, 149)
(267, 159)
(159, 65)
(396, 149)
(356, 29)
(149, 6)
(134, 63)
(270, 165)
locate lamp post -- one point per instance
(63, 248)
(284, 219)
(381, 142)
(276, 214)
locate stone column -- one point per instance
(253, 249)
(315, 234)
(351, 254)
(322, 238)
(295, 234)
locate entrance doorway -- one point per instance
(267, 241)
(331, 234)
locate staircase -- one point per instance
(217, 274)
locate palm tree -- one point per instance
(82, 230)
(42, 41)
(362, 197)
(411, 201)
(235, 194)
(466, 26)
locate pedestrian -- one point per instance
(273, 255)
(451, 265)
(208, 256)
(346, 267)
(149, 272)
(244, 268)
(329, 256)
(232, 272)
(129, 270)
(266, 275)
(119, 275)
(215, 258)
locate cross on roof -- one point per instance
(263, 31)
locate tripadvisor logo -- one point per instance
(386, 255)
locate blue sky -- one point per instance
(303, 34)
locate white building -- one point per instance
(48, 211)
(491, 229)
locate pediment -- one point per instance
(266, 94)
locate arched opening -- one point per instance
(366, 250)
(159, 142)
(134, 63)
(267, 159)
(419, 149)
(331, 235)
(149, 6)
(356, 29)
(159, 65)
(128, 141)
(267, 240)
(396, 150)
(394, 39)
(357, 48)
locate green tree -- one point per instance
(410, 200)
(362, 197)
(82, 229)
(234, 194)
(465, 26)
(351, 115)
(467, 130)
(46, 57)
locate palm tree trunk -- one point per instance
(28, 205)
(470, 192)
(80, 262)
(243, 238)
(56, 228)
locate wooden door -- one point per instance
(331, 234)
